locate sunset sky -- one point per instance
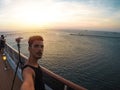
(60, 14)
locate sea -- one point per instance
(88, 58)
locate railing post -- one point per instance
(65, 87)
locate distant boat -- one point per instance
(106, 35)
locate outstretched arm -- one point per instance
(28, 79)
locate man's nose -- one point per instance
(40, 48)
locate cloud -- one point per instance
(76, 13)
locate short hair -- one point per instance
(33, 38)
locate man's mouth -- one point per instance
(39, 53)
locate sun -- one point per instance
(35, 15)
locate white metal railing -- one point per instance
(51, 79)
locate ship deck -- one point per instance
(6, 77)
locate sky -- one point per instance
(60, 14)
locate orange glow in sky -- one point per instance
(78, 14)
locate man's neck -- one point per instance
(32, 62)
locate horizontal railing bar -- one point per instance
(61, 79)
(51, 74)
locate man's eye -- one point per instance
(37, 46)
(42, 46)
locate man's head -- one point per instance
(36, 46)
(2, 36)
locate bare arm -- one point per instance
(28, 80)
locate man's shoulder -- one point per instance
(27, 69)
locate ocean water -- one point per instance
(88, 58)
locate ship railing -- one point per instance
(52, 80)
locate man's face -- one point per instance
(36, 50)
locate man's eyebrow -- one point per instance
(37, 45)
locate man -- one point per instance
(32, 74)
(2, 43)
